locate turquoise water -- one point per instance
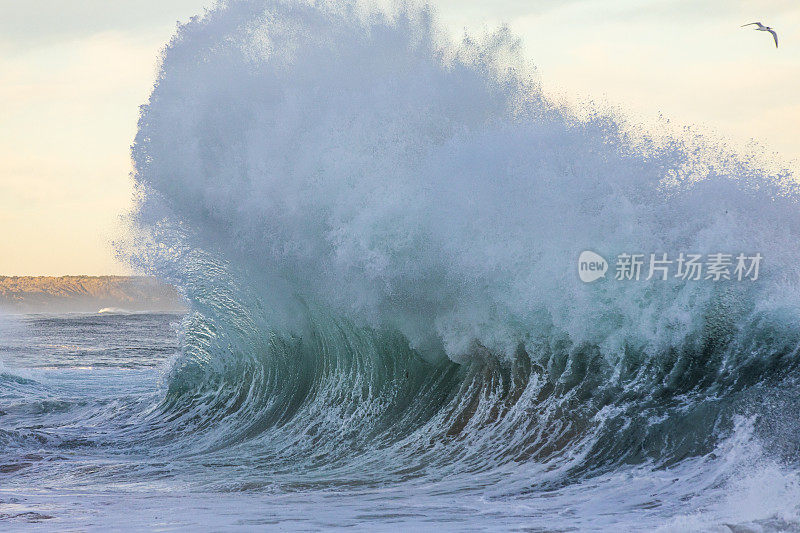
(95, 436)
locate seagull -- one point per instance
(761, 27)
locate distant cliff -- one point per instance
(86, 294)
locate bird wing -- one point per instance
(774, 36)
(752, 24)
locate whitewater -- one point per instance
(376, 229)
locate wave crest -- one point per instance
(351, 202)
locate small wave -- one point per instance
(114, 311)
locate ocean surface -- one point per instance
(101, 428)
(376, 230)
(95, 435)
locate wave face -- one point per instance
(377, 230)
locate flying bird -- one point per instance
(761, 27)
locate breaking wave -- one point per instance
(377, 230)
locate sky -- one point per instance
(74, 72)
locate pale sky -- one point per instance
(73, 73)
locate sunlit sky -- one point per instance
(73, 73)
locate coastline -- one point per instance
(87, 294)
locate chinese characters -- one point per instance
(688, 267)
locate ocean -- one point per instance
(103, 426)
(380, 235)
